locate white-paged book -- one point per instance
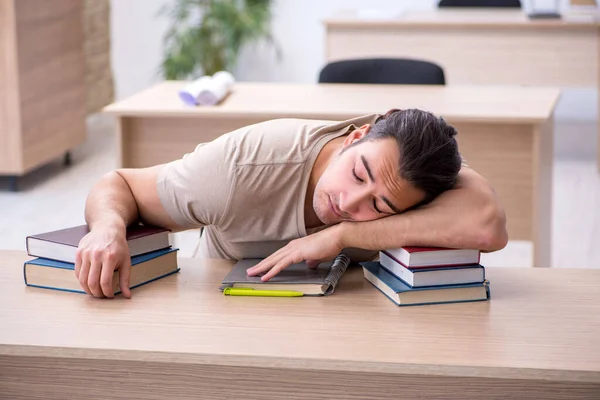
(420, 257)
(436, 276)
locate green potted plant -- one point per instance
(206, 36)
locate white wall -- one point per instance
(136, 44)
(297, 27)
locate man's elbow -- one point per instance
(493, 235)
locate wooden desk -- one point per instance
(505, 133)
(181, 338)
(477, 46)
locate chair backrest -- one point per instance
(383, 71)
(480, 3)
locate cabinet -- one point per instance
(42, 83)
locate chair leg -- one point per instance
(67, 160)
(13, 183)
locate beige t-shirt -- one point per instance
(247, 187)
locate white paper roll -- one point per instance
(189, 93)
(207, 90)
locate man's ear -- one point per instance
(356, 135)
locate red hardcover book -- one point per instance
(427, 257)
(62, 244)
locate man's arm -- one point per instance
(125, 196)
(468, 216)
(119, 199)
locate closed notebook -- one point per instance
(58, 275)
(320, 281)
(420, 277)
(61, 245)
(404, 295)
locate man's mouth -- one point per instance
(334, 209)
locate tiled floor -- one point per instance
(53, 197)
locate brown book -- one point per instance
(62, 244)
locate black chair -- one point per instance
(383, 71)
(480, 3)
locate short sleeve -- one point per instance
(195, 189)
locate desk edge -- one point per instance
(125, 113)
(332, 23)
(232, 360)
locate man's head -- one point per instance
(406, 158)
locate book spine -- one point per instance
(338, 268)
(488, 292)
(395, 258)
(25, 272)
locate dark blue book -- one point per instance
(404, 295)
(58, 275)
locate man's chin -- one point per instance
(329, 220)
(325, 218)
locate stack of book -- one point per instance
(152, 258)
(428, 275)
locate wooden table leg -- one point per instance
(121, 141)
(542, 200)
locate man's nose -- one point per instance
(350, 202)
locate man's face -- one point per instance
(362, 183)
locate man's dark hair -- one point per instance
(429, 157)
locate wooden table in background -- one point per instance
(505, 133)
(180, 338)
(475, 46)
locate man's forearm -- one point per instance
(110, 202)
(468, 216)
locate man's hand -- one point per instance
(314, 249)
(102, 251)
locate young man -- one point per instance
(296, 190)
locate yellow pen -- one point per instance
(266, 292)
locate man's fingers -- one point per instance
(313, 264)
(265, 264)
(272, 272)
(271, 261)
(261, 267)
(280, 266)
(124, 275)
(94, 274)
(78, 261)
(106, 275)
(84, 272)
